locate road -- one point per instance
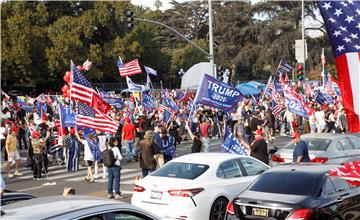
(60, 178)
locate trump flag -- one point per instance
(217, 94)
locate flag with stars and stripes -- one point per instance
(92, 118)
(342, 20)
(128, 69)
(81, 90)
(87, 65)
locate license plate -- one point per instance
(260, 212)
(156, 195)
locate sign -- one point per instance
(217, 94)
(67, 118)
(231, 144)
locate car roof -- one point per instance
(47, 207)
(304, 167)
(206, 158)
(329, 136)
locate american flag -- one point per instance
(328, 88)
(342, 20)
(93, 118)
(81, 89)
(87, 65)
(161, 108)
(278, 109)
(128, 69)
(308, 89)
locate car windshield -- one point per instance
(313, 144)
(188, 171)
(294, 183)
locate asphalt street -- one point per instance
(58, 177)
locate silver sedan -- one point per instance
(326, 148)
(74, 207)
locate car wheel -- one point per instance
(218, 209)
(336, 218)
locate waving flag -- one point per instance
(133, 87)
(349, 172)
(147, 101)
(150, 70)
(170, 104)
(87, 65)
(295, 102)
(342, 21)
(128, 69)
(231, 144)
(166, 117)
(81, 90)
(93, 118)
(283, 70)
(112, 100)
(149, 85)
(67, 118)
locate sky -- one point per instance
(166, 5)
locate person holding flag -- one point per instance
(258, 148)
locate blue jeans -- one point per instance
(130, 150)
(146, 172)
(206, 144)
(114, 173)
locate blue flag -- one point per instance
(231, 144)
(217, 94)
(171, 104)
(147, 101)
(112, 100)
(166, 116)
(67, 118)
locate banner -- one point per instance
(231, 144)
(112, 100)
(133, 87)
(217, 94)
(295, 102)
(171, 104)
(67, 118)
(147, 101)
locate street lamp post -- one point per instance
(211, 41)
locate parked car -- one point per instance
(300, 191)
(11, 197)
(196, 186)
(74, 207)
(325, 148)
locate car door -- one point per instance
(355, 152)
(347, 149)
(328, 198)
(230, 171)
(251, 169)
(347, 198)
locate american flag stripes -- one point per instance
(128, 69)
(278, 109)
(93, 118)
(87, 65)
(82, 91)
(308, 89)
(342, 20)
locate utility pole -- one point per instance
(303, 36)
(211, 40)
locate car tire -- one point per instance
(336, 218)
(218, 209)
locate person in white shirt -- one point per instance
(320, 118)
(88, 157)
(114, 171)
(102, 146)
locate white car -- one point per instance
(196, 186)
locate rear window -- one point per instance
(313, 144)
(188, 171)
(294, 183)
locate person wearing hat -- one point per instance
(148, 150)
(258, 148)
(13, 153)
(301, 151)
(72, 147)
(38, 145)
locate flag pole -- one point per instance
(267, 85)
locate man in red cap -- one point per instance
(128, 138)
(258, 148)
(13, 153)
(301, 151)
(38, 144)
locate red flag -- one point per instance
(99, 103)
(349, 172)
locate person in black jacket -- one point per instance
(258, 148)
(196, 137)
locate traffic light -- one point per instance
(220, 73)
(129, 19)
(300, 71)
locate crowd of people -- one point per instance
(144, 137)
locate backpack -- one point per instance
(108, 157)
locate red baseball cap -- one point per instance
(295, 135)
(127, 120)
(258, 132)
(35, 134)
(72, 131)
(14, 129)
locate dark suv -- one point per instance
(302, 191)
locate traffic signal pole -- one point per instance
(303, 35)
